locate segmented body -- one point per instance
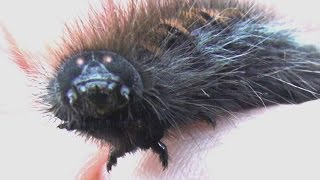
(197, 60)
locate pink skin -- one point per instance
(280, 142)
(271, 143)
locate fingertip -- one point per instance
(95, 168)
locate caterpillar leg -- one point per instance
(161, 149)
(113, 156)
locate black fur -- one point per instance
(200, 66)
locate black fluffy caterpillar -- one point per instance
(127, 75)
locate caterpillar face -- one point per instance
(94, 84)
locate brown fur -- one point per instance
(126, 31)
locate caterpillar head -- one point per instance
(93, 84)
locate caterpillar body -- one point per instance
(128, 74)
